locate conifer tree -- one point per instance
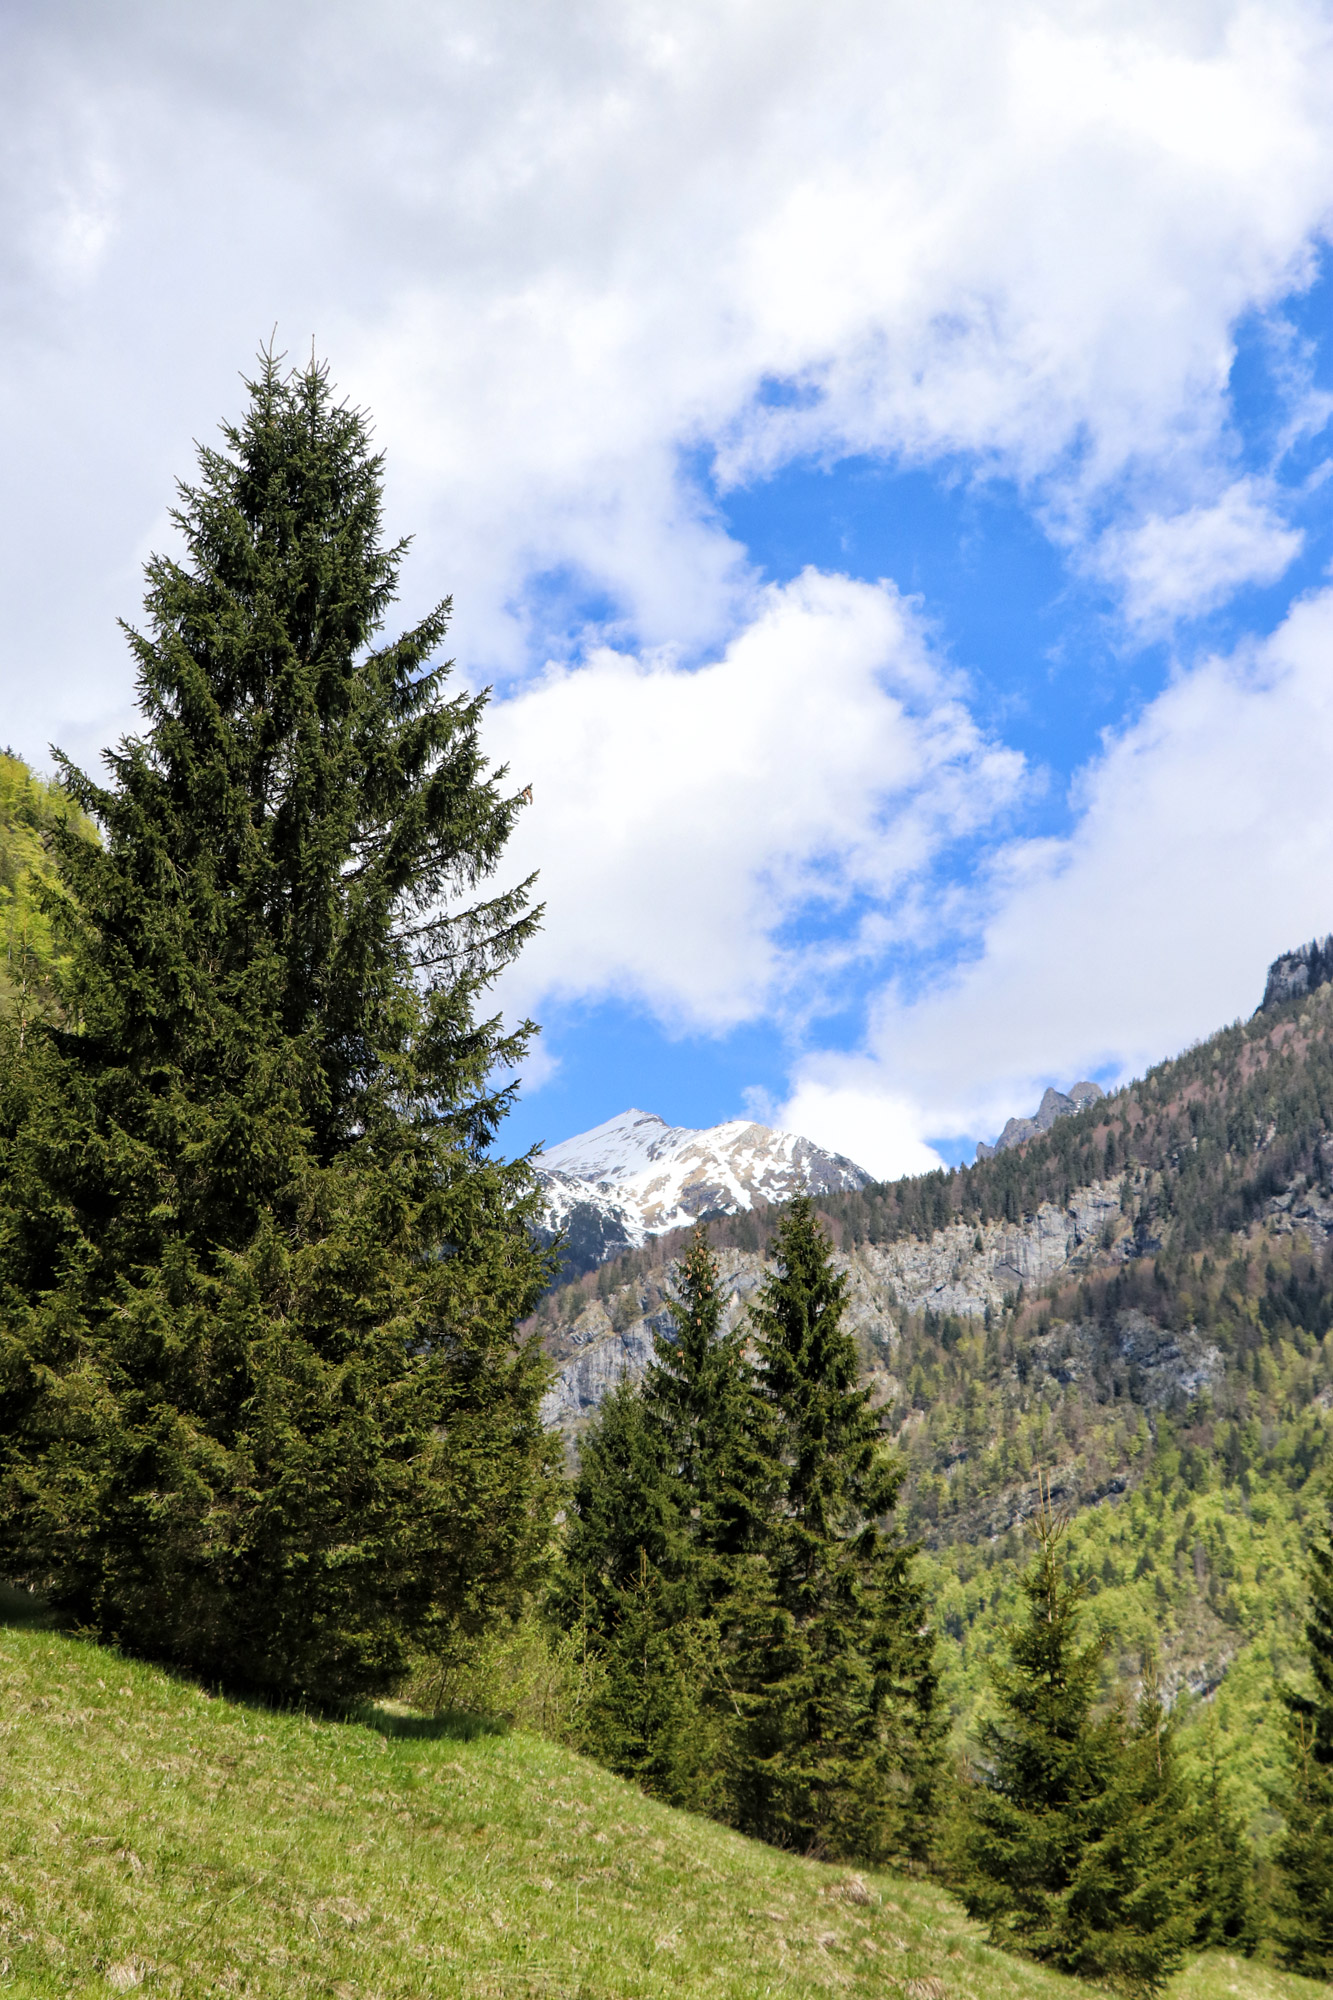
(1221, 1864)
(1131, 1915)
(262, 1407)
(700, 1391)
(831, 1647)
(656, 1718)
(626, 1504)
(1073, 1845)
(661, 1504)
(1305, 1856)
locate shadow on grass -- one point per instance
(21, 1610)
(453, 1725)
(20, 1607)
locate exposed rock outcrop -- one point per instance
(1054, 1104)
(1297, 972)
(962, 1270)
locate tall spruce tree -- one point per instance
(1073, 1846)
(701, 1393)
(832, 1653)
(663, 1502)
(1132, 1911)
(262, 1407)
(1305, 1856)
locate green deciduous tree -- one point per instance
(30, 959)
(832, 1652)
(1073, 1843)
(262, 1407)
(1305, 1856)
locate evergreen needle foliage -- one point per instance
(1073, 1845)
(262, 1410)
(661, 1504)
(834, 1656)
(1305, 1857)
(766, 1647)
(1222, 1862)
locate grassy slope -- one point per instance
(154, 1837)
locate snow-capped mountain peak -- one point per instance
(621, 1146)
(635, 1176)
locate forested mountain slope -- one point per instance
(1137, 1305)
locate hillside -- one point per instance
(1137, 1303)
(156, 1838)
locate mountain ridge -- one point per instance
(634, 1177)
(1054, 1104)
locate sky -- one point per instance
(879, 455)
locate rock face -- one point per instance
(960, 1270)
(1299, 971)
(1054, 1104)
(636, 1177)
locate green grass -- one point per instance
(154, 1837)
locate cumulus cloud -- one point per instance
(1177, 566)
(568, 256)
(850, 1109)
(1203, 847)
(683, 822)
(564, 254)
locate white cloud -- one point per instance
(849, 1110)
(681, 819)
(1178, 566)
(1203, 848)
(553, 249)
(564, 252)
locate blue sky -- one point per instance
(1050, 667)
(879, 455)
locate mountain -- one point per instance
(1054, 1104)
(1296, 972)
(1135, 1304)
(636, 1177)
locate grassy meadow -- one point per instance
(155, 1837)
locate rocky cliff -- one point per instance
(963, 1271)
(1296, 972)
(1054, 1104)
